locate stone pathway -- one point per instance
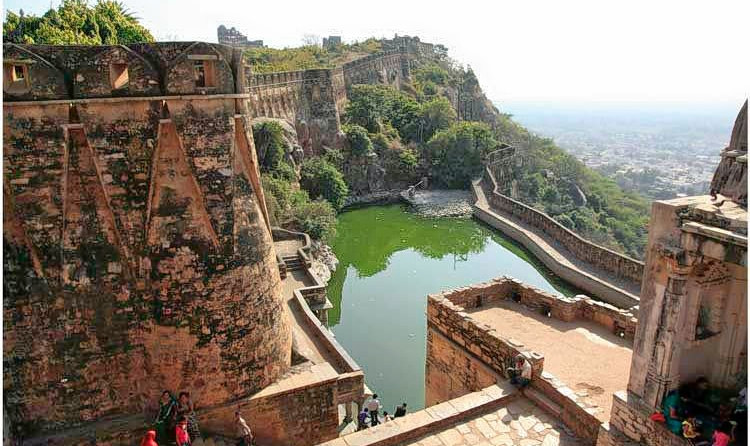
(518, 423)
(629, 290)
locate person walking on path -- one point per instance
(400, 411)
(374, 406)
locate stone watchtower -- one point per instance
(138, 255)
(693, 309)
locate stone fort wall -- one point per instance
(137, 253)
(454, 337)
(313, 100)
(620, 265)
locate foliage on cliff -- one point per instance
(580, 198)
(270, 60)
(76, 22)
(455, 154)
(450, 125)
(288, 204)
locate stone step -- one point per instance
(542, 401)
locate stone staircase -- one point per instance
(293, 262)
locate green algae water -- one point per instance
(389, 261)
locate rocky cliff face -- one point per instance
(730, 178)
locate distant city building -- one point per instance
(231, 36)
(331, 41)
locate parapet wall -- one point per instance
(137, 252)
(455, 337)
(620, 265)
(390, 67)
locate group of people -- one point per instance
(369, 416)
(698, 413)
(176, 423)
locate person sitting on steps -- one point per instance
(400, 411)
(362, 419)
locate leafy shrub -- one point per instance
(359, 141)
(269, 144)
(455, 154)
(317, 218)
(321, 179)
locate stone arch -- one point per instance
(180, 77)
(45, 81)
(94, 78)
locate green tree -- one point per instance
(359, 141)
(455, 154)
(435, 115)
(321, 179)
(376, 106)
(75, 22)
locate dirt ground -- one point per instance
(588, 358)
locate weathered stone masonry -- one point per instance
(455, 337)
(137, 253)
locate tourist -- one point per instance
(671, 411)
(696, 397)
(723, 435)
(374, 406)
(244, 434)
(521, 373)
(185, 408)
(400, 411)
(165, 418)
(181, 432)
(149, 439)
(362, 419)
(386, 417)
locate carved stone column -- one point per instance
(663, 373)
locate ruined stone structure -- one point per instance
(313, 100)
(693, 312)
(331, 42)
(233, 37)
(730, 178)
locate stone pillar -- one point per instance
(350, 413)
(663, 373)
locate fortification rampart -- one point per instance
(312, 100)
(619, 265)
(137, 252)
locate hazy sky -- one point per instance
(633, 50)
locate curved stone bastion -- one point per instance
(137, 253)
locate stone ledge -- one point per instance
(431, 419)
